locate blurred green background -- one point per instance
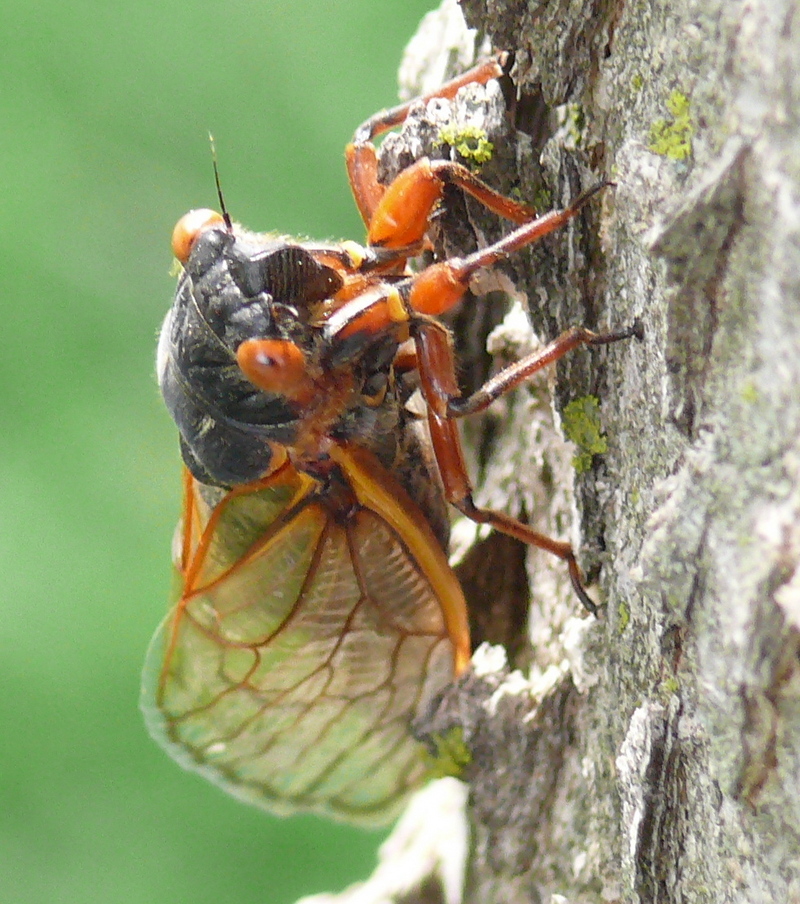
(104, 115)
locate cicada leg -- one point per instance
(431, 292)
(436, 367)
(361, 157)
(434, 291)
(398, 215)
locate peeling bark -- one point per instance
(653, 754)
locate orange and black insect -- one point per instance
(317, 613)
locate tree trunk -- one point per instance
(651, 754)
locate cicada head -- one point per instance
(235, 286)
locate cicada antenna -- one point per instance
(225, 215)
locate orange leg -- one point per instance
(360, 155)
(437, 367)
(440, 286)
(434, 291)
(438, 382)
(404, 210)
(398, 216)
(412, 305)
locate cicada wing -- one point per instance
(290, 676)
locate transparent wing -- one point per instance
(299, 652)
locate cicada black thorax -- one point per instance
(236, 287)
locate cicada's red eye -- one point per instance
(189, 227)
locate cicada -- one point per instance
(316, 612)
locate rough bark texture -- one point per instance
(652, 754)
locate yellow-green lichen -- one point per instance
(673, 137)
(750, 393)
(575, 123)
(542, 199)
(670, 686)
(745, 540)
(450, 756)
(637, 82)
(581, 421)
(674, 603)
(623, 616)
(470, 142)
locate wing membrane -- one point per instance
(300, 650)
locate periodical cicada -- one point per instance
(316, 613)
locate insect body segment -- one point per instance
(316, 614)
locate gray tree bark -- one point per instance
(651, 754)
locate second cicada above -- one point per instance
(316, 613)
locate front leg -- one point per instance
(360, 155)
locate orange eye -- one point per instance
(276, 365)
(189, 227)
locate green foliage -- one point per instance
(581, 420)
(106, 110)
(673, 137)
